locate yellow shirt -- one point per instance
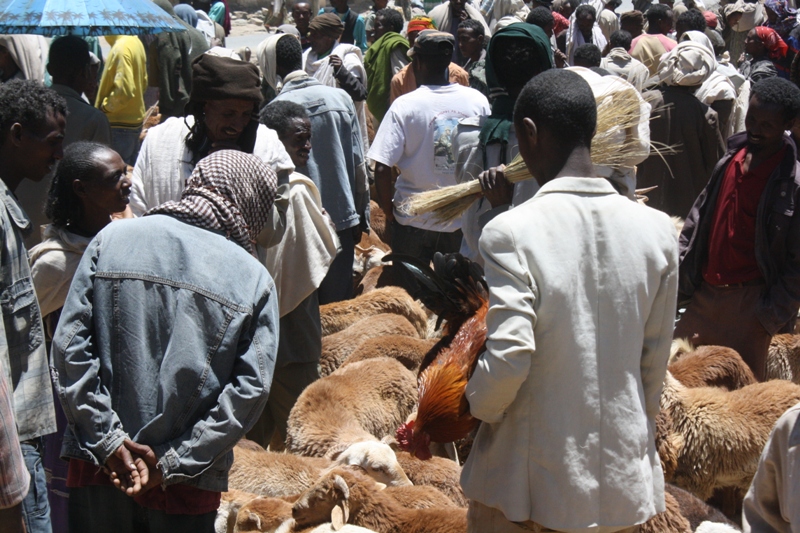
(121, 92)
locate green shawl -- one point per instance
(377, 63)
(497, 126)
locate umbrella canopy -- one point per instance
(85, 17)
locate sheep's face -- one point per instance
(262, 514)
(327, 500)
(378, 461)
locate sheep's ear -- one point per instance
(340, 514)
(380, 485)
(391, 441)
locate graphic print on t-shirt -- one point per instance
(443, 160)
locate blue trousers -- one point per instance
(35, 507)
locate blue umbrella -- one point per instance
(85, 17)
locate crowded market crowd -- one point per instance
(175, 214)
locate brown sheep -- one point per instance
(377, 220)
(695, 510)
(408, 350)
(229, 505)
(783, 360)
(670, 521)
(438, 472)
(263, 514)
(385, 275)
(721, 433)
(420, 497)
(336, 347)
(343, 496)
(360, 402)
(273, 474)
(711, 366)
(365, 260)
(339, 315)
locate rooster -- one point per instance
(456, 291)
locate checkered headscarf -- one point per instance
(228, 191)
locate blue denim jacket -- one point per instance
(22, 349)
(336, 162)
(168, 336)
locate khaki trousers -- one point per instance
(484, 519)
(726, 316)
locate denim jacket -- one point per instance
(22, 349)
(168, 336)
(337, 164)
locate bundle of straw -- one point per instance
(617, 113)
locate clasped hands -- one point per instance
(133, 469)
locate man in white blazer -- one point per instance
(583, 287)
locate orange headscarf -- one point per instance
(419, 24)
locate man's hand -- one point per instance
(496, 188)
(146, 453)
(127, 473)
(336, 62)
(560, 58)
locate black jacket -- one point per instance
(777, 237)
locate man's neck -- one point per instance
(577, 164)
(755, 157)
(10, 175)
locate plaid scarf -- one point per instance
(229, 192)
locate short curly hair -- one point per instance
(278, 115)
(392, 17)
(63, 206)
(540, 16)
(28, 103)
(778, 91)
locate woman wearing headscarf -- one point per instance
(780, 17)
(740, 17)
(222, 113)
(22, 57)
(681, 121)
(191, 348)
(717, 91)
(515, 54)
(766, 55)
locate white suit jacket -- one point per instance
(583, 288)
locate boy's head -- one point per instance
(554, 115)
(470, 38)
(542, 17)
(774, 108)
(620, 39)
(588, 56)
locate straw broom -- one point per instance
(616, 113)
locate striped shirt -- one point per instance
(22, 351)
(14, 477)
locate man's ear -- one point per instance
(79, 188)
(531, 132)
(15, 134)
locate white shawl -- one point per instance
(29, 52)
(265, 53)
(353, 61)
(299, 262)
(443, 18)
(575, 39)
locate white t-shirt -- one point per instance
(416, 135)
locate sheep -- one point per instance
(709, 366)
(343, 496)
(377, 220)
(695, 510)
(272, 515)
(229, 505)
(363, 401)
(385, 275)
(337, 316)
(720, 434)
(669, 521)
(278, 475)
(409, 351)
(438, 472)
(420, 497)
(783, 359)
(365, 260)
(336, 347)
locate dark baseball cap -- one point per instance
(433, 43)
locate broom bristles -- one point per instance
(616, 114)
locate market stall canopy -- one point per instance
(85, 17)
